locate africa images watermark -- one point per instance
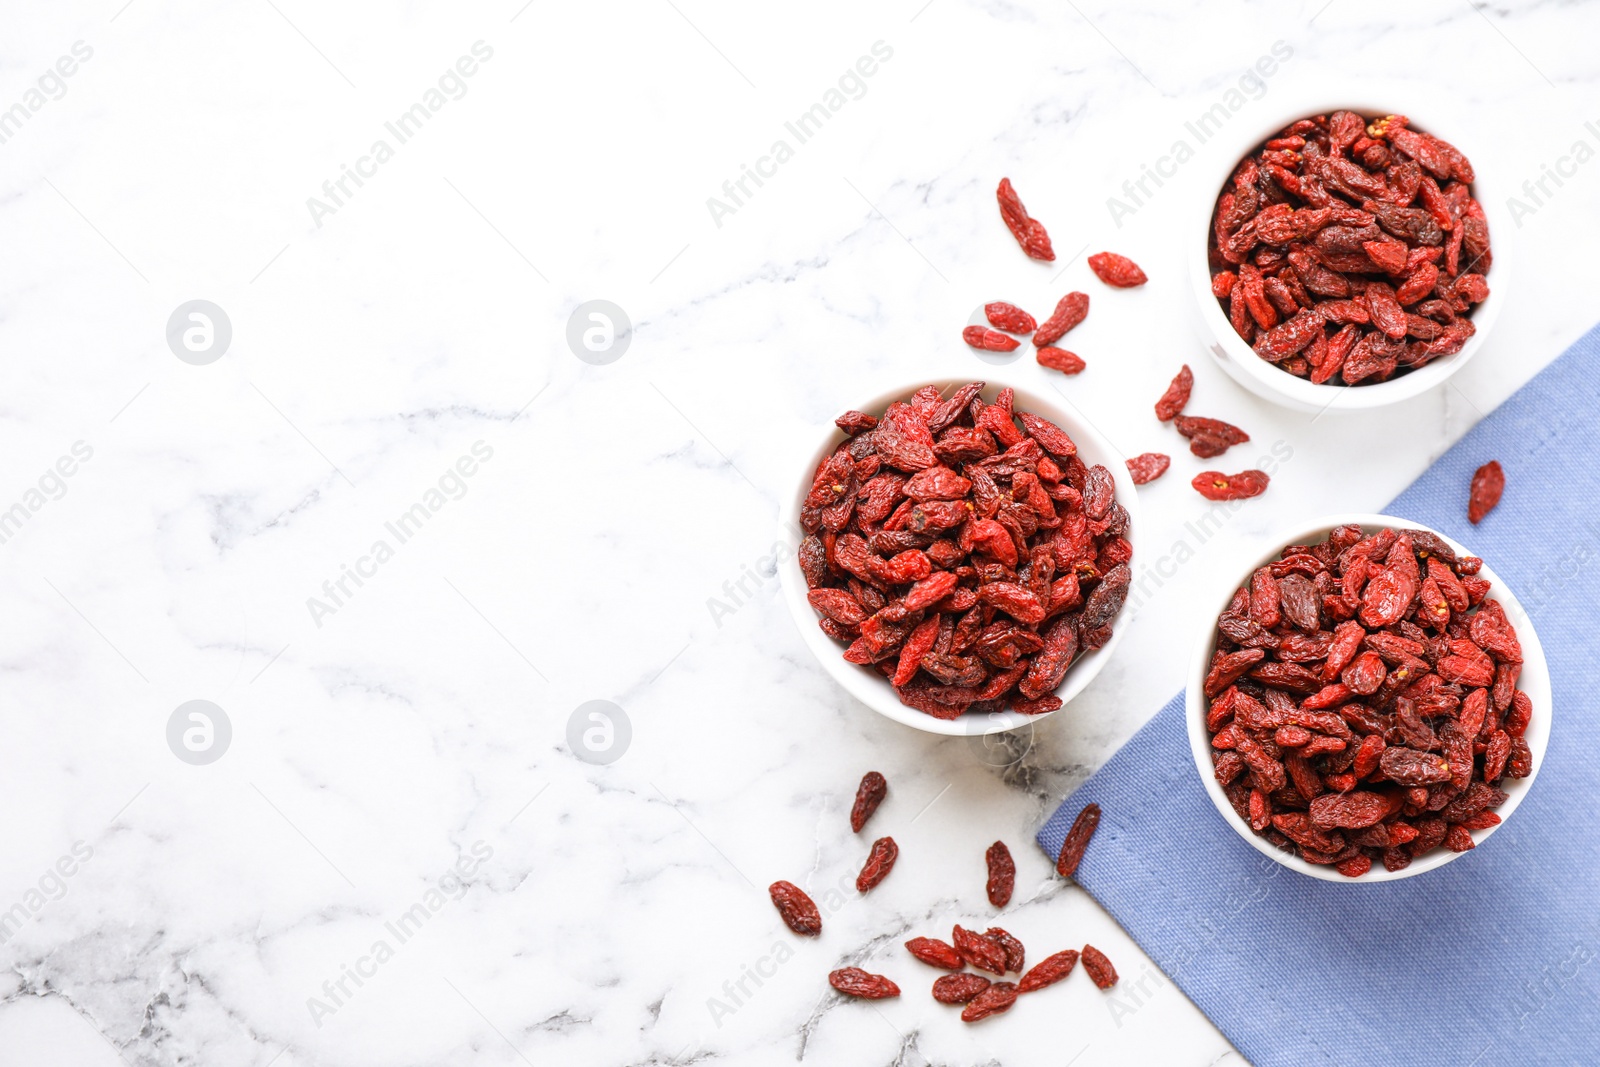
(1252, 85)
(452, 485)
(51, 85)
(809, 123)
(51, 485)
(450, 886)
(405, 126)
(749, 582)
(50, 886)
(1538, 191)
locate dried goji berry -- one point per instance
(1209, 437)
(1117, 271)
(959, 988)
(1177, 395)
(996, 999)
(854, 982)
(1070, 311)
(799, 912)
(1488, 482)
(1077, 839)
(1016, 956)
(1214, 485)
(988, 340)
(1148, 467)
(1008, 317)
(1002, 874)
(1028, 231)
(1048, 971)
(1098, 967)
(880, 861)
(978, 950)
(869, 794)
(935, 953)
(1060, 359)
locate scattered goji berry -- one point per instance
(880, 861)
(1214, 485)
(985, 339)
(869, 794)
(1098, 967)
(1060, 359)
(1120, 272)
(1148, 467)
(1028, 231)
(959, 988)
(1077, 839)
(935, 953)
(1002, 874)
(1048, 971)
(996, 999)
(1070, 311)
(1016, 955)
(1008, 317)
(1177, 395)
(854, 982)
(978, 950)
(799, 912)
(1488, 482)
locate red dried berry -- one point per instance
(935, 953)
(1002, 874)
(880, 861)
(1028, 231)
(1148, 467)
(1048, 971)
(1099, 968)
(1117, 271)
(1060, 359)
(1016, 955)
(1070, 311)
(869, 794)
(1209, 437)
(1214, 485)
(1177, 395)
(1077, 839)
(1488, 482)
(959, 988)
(799, 912)
(978, 950)
(854, 982)
(995, 1000)
(1008, 317)
(981, 337)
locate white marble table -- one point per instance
(402, 341)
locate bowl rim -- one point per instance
(1264, 379)
(866, 685)
(1534, 680)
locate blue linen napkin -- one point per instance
(1490, 959)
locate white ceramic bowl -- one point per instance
(1428, 113)
(1535, 681)
(865, 684)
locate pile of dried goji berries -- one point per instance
(1363, 703)
(968, 559)
(995, 950)
(1350, 252)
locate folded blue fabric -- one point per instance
(1490, 959)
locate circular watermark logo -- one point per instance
(999, 359)
(199, 332)
(999, 747)
(599, 732)
(199, 732)
(598, 332)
